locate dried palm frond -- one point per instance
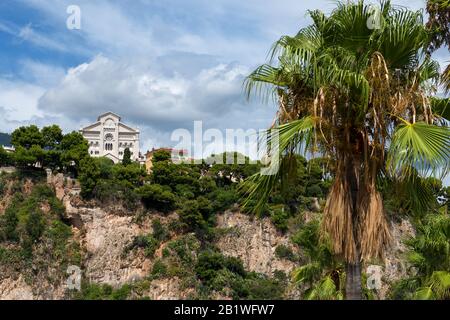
(338, 220)
(372, 227)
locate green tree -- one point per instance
(230, 167)
(52, 159)
(130, 176)
(157, 197)
(161, 155)
(27, 137)
(52, 136)
(23, 157)
(89, 175)
(126, 157)
(92, 171)
(195, 214)
(74, 148)
(170, 174)
(347, 92)
(4, 157)
(37, 153)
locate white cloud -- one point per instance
(161, 65)
(19, 100)
(148, 98)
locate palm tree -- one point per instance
(429, 254)
(359, 96)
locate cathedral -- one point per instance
(109, 137)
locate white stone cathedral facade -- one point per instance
(109, 137)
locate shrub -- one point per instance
(102, 292)
(148, 243)
(260, 287)
(9, 225)
(196, 213)
(122, 293)
(157, 197)
(2, 188)
(160, 232)
(35, 226)
(16, 187)
(5, 158)
(209, 263)
(184, 248)
(279, 218)
(284, 252)
(110, 191)
(11, 257)
(280, 275)
(223, 199)
(185, 191)
(58, 235)
(165, 253)
(150, 248)
(314, 191)
(191, 216)
(225, 279)
(159, 269)
(235, 265)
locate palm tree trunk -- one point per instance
(353, 281)
(353, 270)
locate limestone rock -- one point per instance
(254, 242)
(15, 289)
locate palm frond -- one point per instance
(307, 273)
(419, 146)
(440, 282)
(280, 140)
(424, 293)
(441, 107)
(325, 290)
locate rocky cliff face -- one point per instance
(15, 289)
(254, 242)
(395, 266)
(105, 232)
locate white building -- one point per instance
(109, 137)
(9, 149)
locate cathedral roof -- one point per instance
(109, 113)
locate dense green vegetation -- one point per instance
(33, 233)
(430, 256)
(46, 148)
(197, 192)
(92, 291)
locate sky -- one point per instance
(161, 65)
